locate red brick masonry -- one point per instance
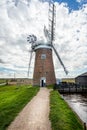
(44, 67)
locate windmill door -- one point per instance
(42, 82)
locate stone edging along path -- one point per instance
(35, 115)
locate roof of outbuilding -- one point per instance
(84, 74)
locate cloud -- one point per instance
(81, 1)
(29, 17)
(1, 61)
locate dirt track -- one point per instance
(35, 115)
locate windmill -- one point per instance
(44, 69)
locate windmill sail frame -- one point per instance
(56, 52)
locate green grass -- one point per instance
(2, 81)
(12, 101)
(61, 116)
(50, 86)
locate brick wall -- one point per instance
(44, 67)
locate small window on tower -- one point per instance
(43, 56)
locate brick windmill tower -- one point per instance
(44, 74)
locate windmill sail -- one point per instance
(50, 34)
(52, 21)
(29, 63)
(59, 59)
(32, 40)
(47, 34)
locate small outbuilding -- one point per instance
(68, 80)
(81, 79)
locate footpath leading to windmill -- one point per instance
(35, 115)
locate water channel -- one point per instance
(79, 104)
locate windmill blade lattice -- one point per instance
(59, 59)
(32, 40)
(29, 63)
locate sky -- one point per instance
(20, 18)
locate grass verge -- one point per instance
(12, 101)
(2, 81)
(61, 116)
(50, 86)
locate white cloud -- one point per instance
(79, 1)
(29, 17)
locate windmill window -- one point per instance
(43, 56)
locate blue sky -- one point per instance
(73, 4)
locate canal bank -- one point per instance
(78, 102)
(61, 115)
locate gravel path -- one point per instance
(35, 115)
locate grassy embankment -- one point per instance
(2, 81)
(12, 100)
(61, 116)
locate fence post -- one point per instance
(76, 88)
(84, 126)
(69, 89)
